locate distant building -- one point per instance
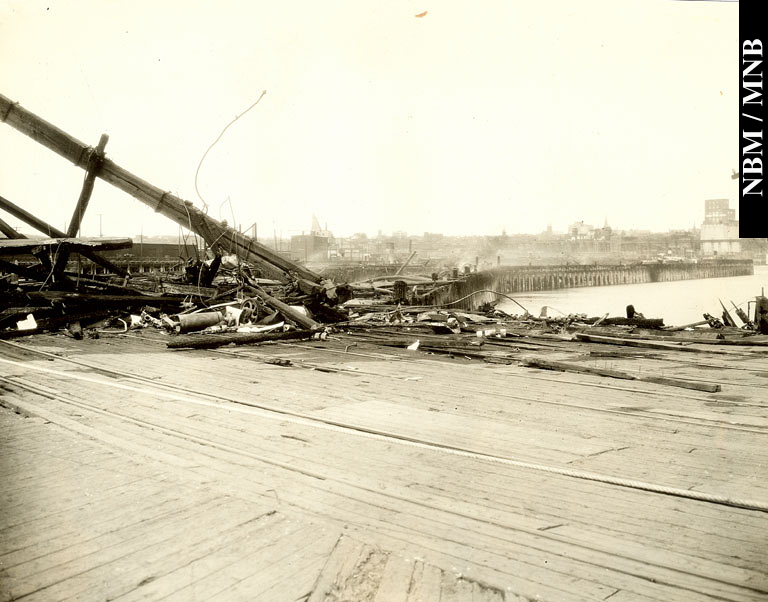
(718, 211)
(314, 246)
(581, 231)
(720, 230)
(307, 247)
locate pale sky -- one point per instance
(476, 117)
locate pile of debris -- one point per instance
(44, 287)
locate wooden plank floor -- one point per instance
(365, 473)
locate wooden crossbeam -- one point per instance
(49, 230)
(79, 245)
(94, 164)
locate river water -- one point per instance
(681, 302)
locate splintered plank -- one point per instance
(395, 582)
(345, 557)
(358, 571)
(426, 583)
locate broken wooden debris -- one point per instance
(674, 342)
(620, 374)
(212, 341)
(672, 345)
(685, 326)
(289, 312)
(742, 316)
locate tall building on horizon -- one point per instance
(719, 233)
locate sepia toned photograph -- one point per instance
(358, 301)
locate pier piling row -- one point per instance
(518, 279)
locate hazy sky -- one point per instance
(476, 117)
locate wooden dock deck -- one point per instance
(370, 474)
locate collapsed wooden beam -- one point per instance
(131, 298)
(405, 265)
(94, 164)
(9, 231)
(220, 237)
(50, 231)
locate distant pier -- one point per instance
(516, 279)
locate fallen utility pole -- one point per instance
(222, 238)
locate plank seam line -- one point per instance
(295, 418)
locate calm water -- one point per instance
(678, 303)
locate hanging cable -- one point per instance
(197, 171)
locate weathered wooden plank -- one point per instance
(578, 368)
(240, 528)
(27, 245)
(221, 577)
(63, 575)
(395, 580)
(67, 526)
(338, 568)
(96, 519)
(426, 583)
(275, 567)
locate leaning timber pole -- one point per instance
(222, 238)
